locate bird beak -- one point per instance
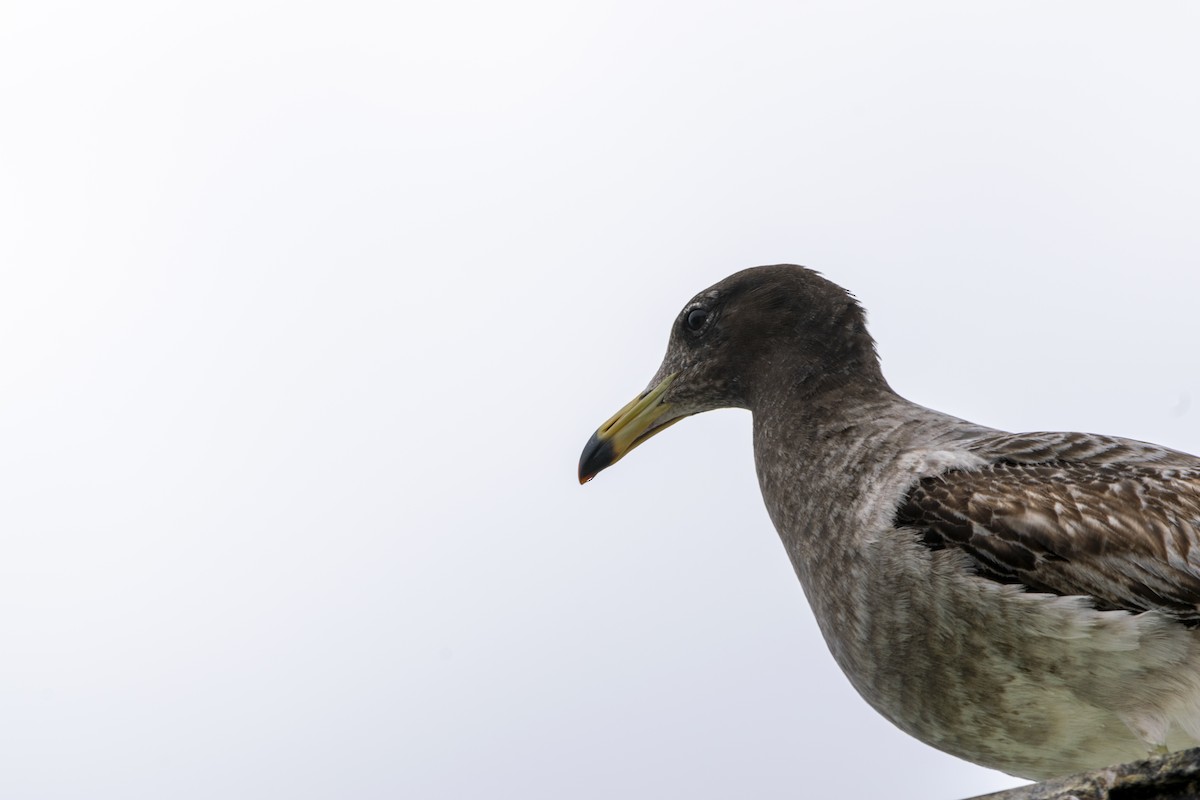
(629, 427)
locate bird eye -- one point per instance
(696, 318)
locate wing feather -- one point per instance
(1073, 514)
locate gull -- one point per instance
(1029, 602)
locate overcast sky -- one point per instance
(307, 310)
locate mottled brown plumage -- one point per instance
(1124, 535)
(1026, 601)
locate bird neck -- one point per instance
(801, 390)
(843, 446)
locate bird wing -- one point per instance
(1073, 514)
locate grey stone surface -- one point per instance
(1175, 776)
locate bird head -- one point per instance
(761, 330)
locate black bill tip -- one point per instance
(597, 455)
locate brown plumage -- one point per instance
(1030, 602)
(1125, 535)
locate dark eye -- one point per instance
(696, 318)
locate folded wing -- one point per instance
(1121, 527)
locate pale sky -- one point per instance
(307, 310)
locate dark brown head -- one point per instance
(759, 332)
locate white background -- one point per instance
(307, 309)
